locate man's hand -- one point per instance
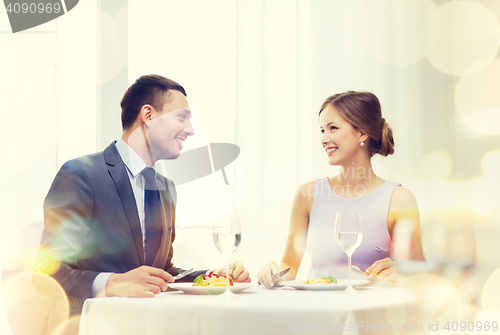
(239, 273)
(144, 281)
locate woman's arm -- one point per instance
(404, 210)
(297, 231)
(296, 241)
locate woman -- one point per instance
(353, 130)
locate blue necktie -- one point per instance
(152, 209)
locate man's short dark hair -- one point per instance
(150, 89)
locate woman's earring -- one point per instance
(362, 144)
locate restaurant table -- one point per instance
(257, 311)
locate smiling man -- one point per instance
(109, 217)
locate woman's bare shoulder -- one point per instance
(403, 198)
(307, 187)
(305, 193)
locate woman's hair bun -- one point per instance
(387, 141)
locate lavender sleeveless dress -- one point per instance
(326, 256)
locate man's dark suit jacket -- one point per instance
(92, 224)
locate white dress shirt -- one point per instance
(135, 165)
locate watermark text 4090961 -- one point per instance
(26, 14)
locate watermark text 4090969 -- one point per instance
(26, 14)
(452, 327)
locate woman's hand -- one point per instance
(238, 272)
(267, 275)
(384, 270)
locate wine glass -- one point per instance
(349, 234)
(227, 238)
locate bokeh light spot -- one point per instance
(436, 165)
(459, 318)
(68, 327)
(47, 262)
(489, 322)
(483, 196)
(493, 6)
(490, 298)
(12, 259)
(10, 295)
(28, 259)
(468, 38)
(477, 99)
(490, 164)
(437, 295)
(38, 302)
(442, 195)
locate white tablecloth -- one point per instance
(258, 311)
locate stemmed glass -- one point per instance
(349, 234)
(227, 238)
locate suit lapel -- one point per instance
(118, 173)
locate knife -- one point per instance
(183, 274)
(281, 273)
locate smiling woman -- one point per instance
(362, 111)
(353, 131)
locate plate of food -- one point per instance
(323, 284)
(209, 284)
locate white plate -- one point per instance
(188, 288)
(341, 285)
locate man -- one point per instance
(110, 218)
